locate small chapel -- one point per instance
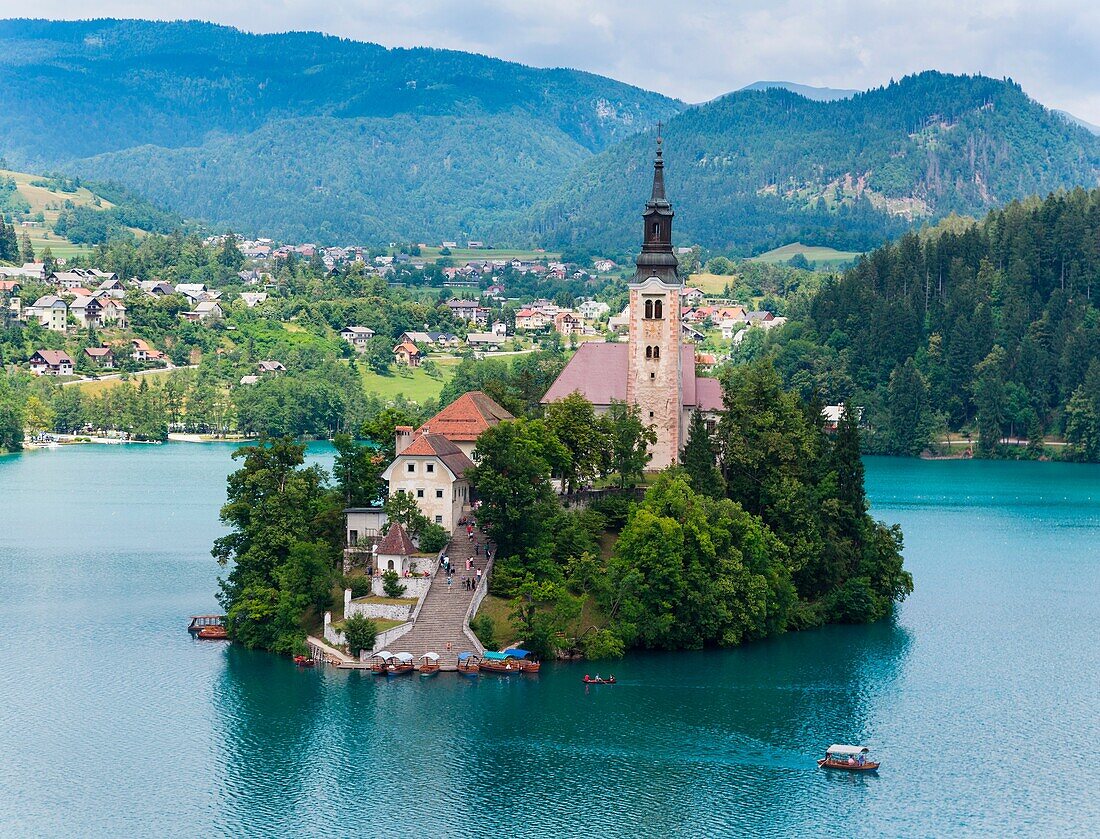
(654, 369)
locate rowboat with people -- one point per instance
(304, 661)
(598, 680)
(849, 758)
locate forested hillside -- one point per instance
(359, 118)
(757, 169)
(992, 329)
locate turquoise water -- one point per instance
(981, 697)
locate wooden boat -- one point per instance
(848, 758)
(468, 664)
(201, 622)
(400, 664)
(304, 661)
(501, 663)
(213, 633)
(429, 664)
(380, 661)
(524, 660)
(599, 680)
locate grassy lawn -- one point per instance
(812, 253)
(414, 384)
(96, 387)
(712, 284)
(388, 601)
(462, 254)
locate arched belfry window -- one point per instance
(657, 309)
(657, 350)
(656, 231)
(649, 309)
(649, 352)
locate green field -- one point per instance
(463, 254)
(49, 203)
(413, 384)
(827, 256)
(94, 388)
(712, 284)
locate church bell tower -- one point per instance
(654, 375)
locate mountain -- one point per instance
(305, 134)
(1088, 126)
(757, 169)
(817, 94)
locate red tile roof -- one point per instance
(396, 542)
(436, 445)
(466, 417)
(54, 358)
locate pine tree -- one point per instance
(699, 459)
(27, 254)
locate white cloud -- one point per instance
(698, 49)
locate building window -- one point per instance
(653, 375)
(649, 352)
(658, 306)
(651, 414)
(353, 538)
(439, 519)
(420, 493)
(648, 309)
(657, 350)
(430, 467)
(410, 468)
(439, 493)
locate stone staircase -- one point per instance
(443, 613)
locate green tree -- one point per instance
(358, 472)
(391, 584)
(360, 633)
(630, 440)
(907, 430)
(699, 459)
(991, 401)
(573, 421)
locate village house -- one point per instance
(461, 422)
(468, 310)
(406, 354)
(253, 298)
(142, 352)
(10, 287)
(531, 320)
(593, 309)
(357, 336)
(654, 370)
(50, 311)
(250, 379)
(156, 288)
(204, 310)
(437, 339)
(272, 368)
(102, 357)
(68, 279)
(604, 265)
(567, 323)
(395, 551)
(88, 312)
(112, 287)
(51, 363)
(485, 340)
(432, 469)
(691, 296)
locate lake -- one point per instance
(980, 696)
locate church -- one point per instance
(654, 369)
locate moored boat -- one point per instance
(400, 664)
(849, 758)
(304, 661)
(523, 658)
(502, 663)
(380, 661)
(468, 664)
(598, 680)
(213, 633)
(429, 664)
(201, 622)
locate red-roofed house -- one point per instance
(432, 470)
(406, 354)
(461, 422)
(51, 363)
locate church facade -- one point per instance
(654, 369)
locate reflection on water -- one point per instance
(113, 721)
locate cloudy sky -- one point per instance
(698, 49)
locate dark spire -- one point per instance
(657, 258)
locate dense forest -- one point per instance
(757, 169)
(990, 328)
(302, 134)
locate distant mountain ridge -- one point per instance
(307, 136)
(756, 169)
(209, 120)
(816, 94)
